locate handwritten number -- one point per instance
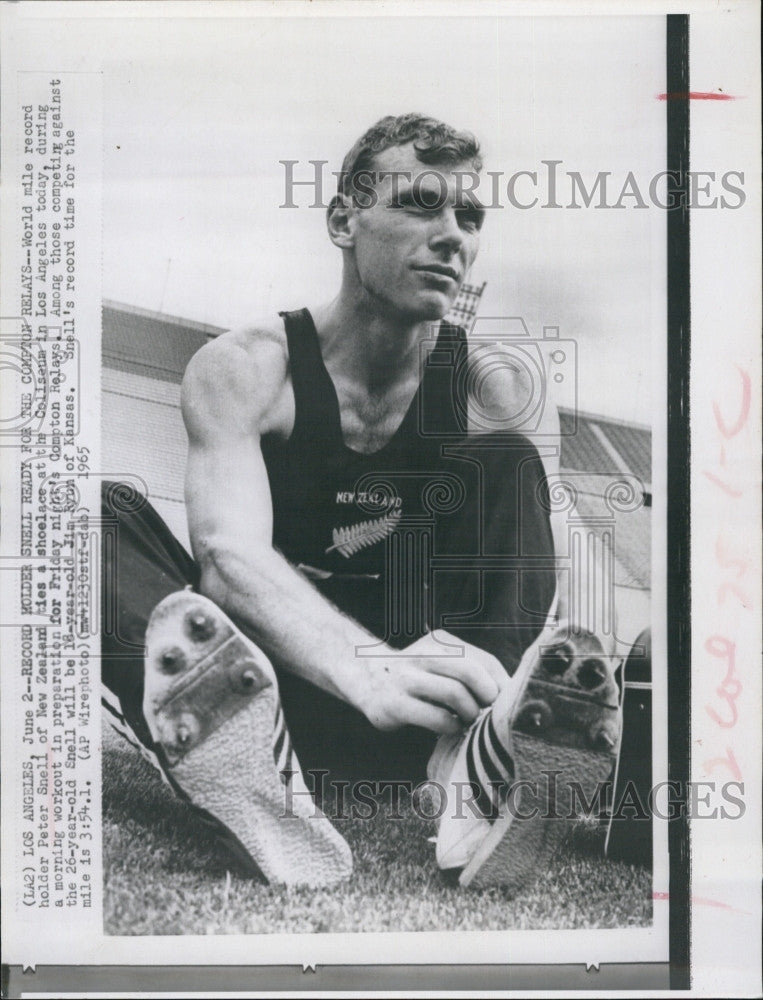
(731, 431)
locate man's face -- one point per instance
(414, 246)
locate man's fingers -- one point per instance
(450, 694)
(432, 717)
(474, 676)
(494, 667)
(477, 658)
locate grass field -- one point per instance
(164, 873)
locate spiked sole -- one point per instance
(210, 701)
(563, 740)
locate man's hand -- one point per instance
(439, 683)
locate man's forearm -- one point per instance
(288, 618)
(435, 684)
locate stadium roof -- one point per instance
(151, 344)
(601, 444)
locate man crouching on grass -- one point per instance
(373, 591)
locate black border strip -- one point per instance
(168, 981)
(678, 501)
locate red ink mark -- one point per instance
(730, 432)
(728, 761)
(703, 901)
(724, 486)
(700, 901)
(723, 648)
(730, 688)
(723, 723)
(726, 560)
(697, 95)
(733, 588)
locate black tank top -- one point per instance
(363, 527)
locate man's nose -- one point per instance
(446, 233)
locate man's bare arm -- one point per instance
(231, 391)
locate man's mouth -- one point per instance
(440, 269)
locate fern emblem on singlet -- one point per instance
(355, 537)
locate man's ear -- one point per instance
(340, 221)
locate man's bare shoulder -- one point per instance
(507, 391)
(239, 377)
(502, 384)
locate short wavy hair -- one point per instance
(433, 140)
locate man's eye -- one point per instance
(471, 219)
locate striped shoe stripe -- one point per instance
(497, 780)
(280, 739)
(283, 762)
(124, 729)
(111, 701)
(477, 775)
(487, 760)
(501, 753)
(471, 771)
(115, 716)
(287, 769)
(489, 767)
(112, 711)
(124, 733)
(283, 753)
